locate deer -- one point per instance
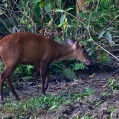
(33, 49)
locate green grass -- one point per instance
(84, 117)
(49, 102)
(113, 83)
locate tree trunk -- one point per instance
(81, 6)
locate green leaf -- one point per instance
(77, 66)
(81, 15)
(101, 34)
(59, 10)
(63, 16)
(96, 14)
(94, 37)
(59, 3)
(60, 25)
(90, 51)
(36, 1)
(69, 73)
(110, 28)
(48, 7)
(108, 37)
(69, 9)
(53, 107)
(2, 12)
(102, 57)
(41, 4)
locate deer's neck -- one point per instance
(64, 52)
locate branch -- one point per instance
(101, 46)
(105, 50)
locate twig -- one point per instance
(105, 50)
(4, 24)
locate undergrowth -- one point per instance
(49, 102)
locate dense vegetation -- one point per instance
(96, 26)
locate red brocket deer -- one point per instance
(28, 48)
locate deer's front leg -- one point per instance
(43, 73)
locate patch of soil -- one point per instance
(103, 104)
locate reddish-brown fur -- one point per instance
(29, 48)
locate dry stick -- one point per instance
(5, 24)
(101, 46)
(105, 50)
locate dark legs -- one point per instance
(3, 76)
(44, 76)
(6, 75)
(9, 81)
(1, 89)
(46, 81)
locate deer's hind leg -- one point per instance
(6, 74)
(9, 82)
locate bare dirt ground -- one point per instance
(103, 104)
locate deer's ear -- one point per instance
(76, 44)
(69, 41)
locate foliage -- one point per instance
(77, 66)
(98, 23)
(113, 83)
(96, 29)
(24, 69)
(1, 67)
(84, 117)
(48, 102)
(87, 92)
(103, 58)
(69, 73)
(112, 110)
(106, 94)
